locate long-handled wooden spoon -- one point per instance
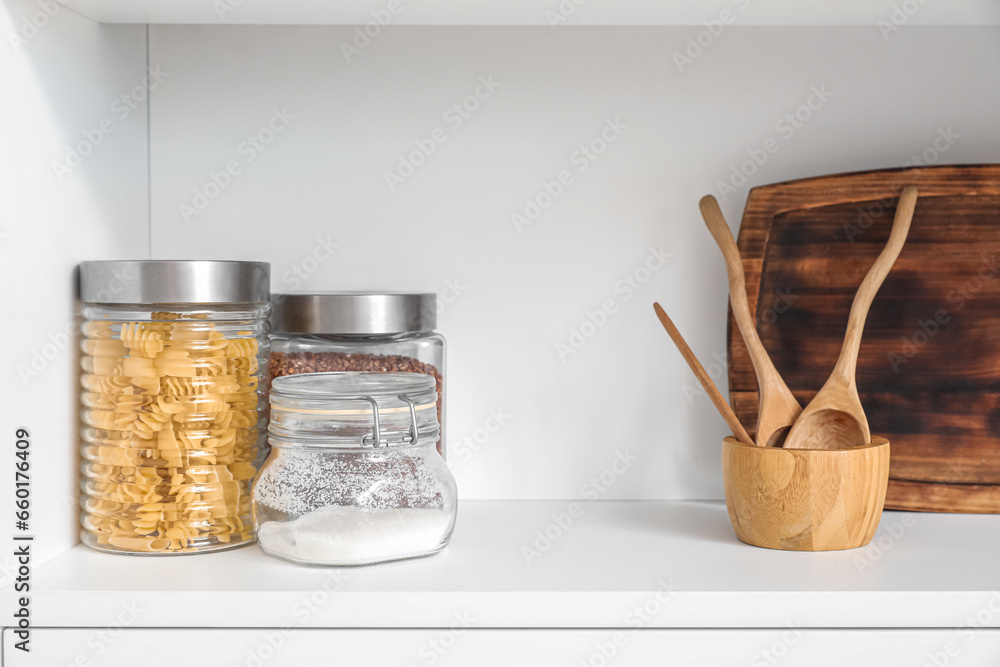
(699, 372)
(777, 408)
(834, 418)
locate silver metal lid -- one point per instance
(354, 313)
(175, 281)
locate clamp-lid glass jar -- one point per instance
(360, 332)
(174, 372)
(353, 476)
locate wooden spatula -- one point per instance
(834, 418)
(777, 409)
(706, 381)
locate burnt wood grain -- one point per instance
(929, 365)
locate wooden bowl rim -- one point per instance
(876, 442)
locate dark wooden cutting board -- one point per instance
(929, 366)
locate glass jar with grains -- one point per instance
(174, 372)
(353, 476)
(362, 332)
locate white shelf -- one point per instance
(932, 570)
(533, 12)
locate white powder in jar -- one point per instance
(345, 535)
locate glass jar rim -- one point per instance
(338, 408)
(347, 385)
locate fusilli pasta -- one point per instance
(171, 411)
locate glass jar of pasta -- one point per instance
(174, 375)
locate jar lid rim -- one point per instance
(357, 313)
(174, 281)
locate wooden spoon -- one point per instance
(777, 409)
(699, 371)
(834, 418)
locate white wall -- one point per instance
(57, 82)
(522, 293)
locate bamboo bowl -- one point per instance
(805, 499)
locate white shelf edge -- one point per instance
(551, 13)
(616, 557)
(206, 609)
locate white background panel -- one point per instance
(72, 187)
(521, 294)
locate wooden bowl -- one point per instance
(805, 499)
